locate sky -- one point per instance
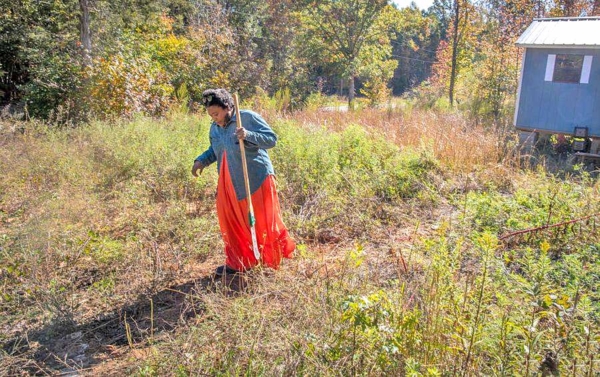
(422, 4)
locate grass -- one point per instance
(107, 246)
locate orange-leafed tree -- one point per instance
(456, 53)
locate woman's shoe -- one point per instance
(225, 270)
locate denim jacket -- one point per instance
(259, 137)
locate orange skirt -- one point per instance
(274, 242)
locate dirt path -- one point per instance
(99, 346)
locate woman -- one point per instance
(232, 206)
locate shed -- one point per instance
(559, 84)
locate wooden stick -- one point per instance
(543, 227)
(251, 219)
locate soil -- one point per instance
(115, 343)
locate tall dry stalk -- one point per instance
(455, 142)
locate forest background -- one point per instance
(429, 243)
(77, 60)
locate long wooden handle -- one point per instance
(251, 219)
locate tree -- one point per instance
(49, 51)
(415, 43)
(279, 46)
(497, 68)
(455, 38)
(13, 32)
(339, 31)
(86, 38)
(460, 51)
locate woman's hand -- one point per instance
(197, 168)
(241, 133)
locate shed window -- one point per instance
(567, 68)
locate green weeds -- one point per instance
(401, 269)
(339, 179)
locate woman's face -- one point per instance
(219, 115)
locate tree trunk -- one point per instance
(454, 51)
(86, 38)
(351, 93)
(569, 10)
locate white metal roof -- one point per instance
(562, 32)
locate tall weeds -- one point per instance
(399, 268)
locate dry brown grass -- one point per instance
(458, 144)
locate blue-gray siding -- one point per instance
(558, 107)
